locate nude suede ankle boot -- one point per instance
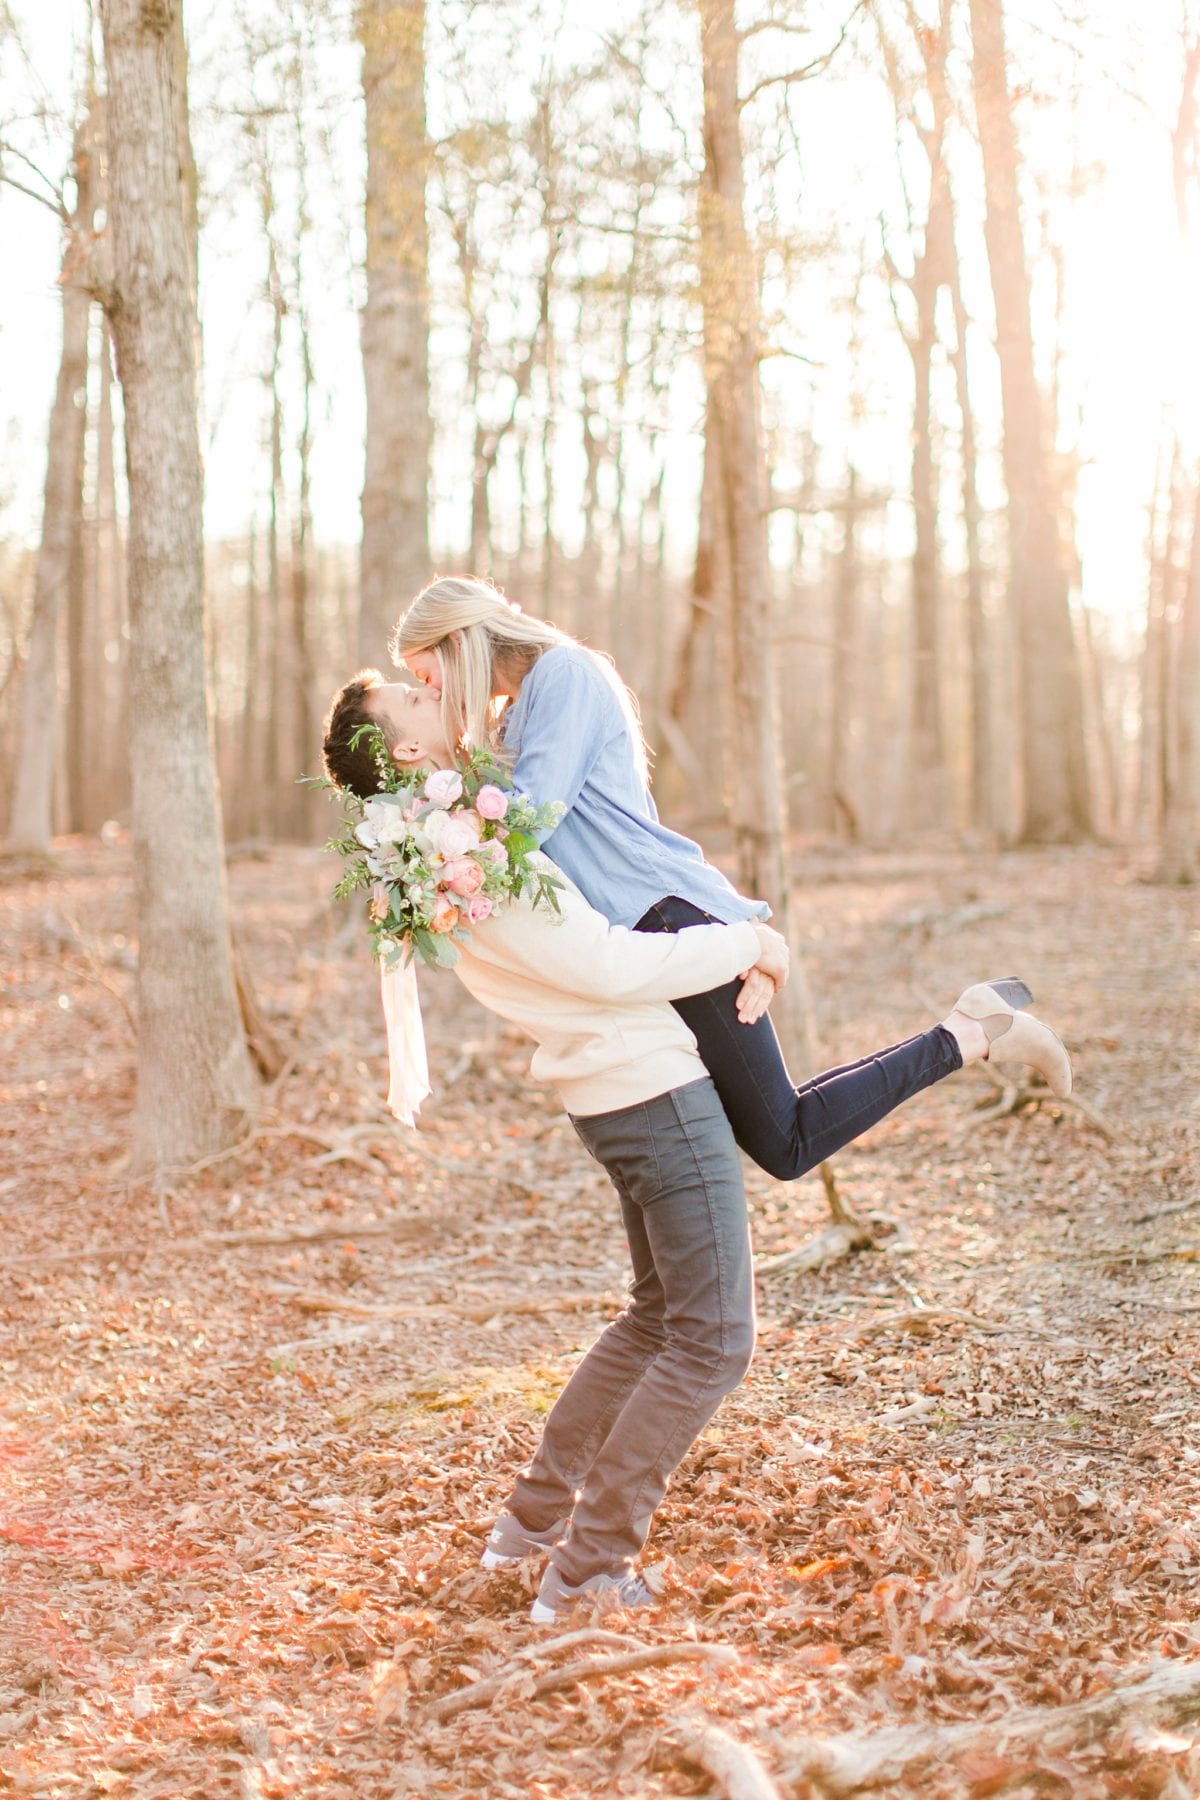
(1016, 1036)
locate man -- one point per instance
(596, 999)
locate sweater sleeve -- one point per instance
(568, 722)
(578, 952)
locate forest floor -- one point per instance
(254, 1427)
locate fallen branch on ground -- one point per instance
(734, 1766)
(844, 1764)
(222, 1240)
(924, 1320)
(1135, 1253)
(829, 1246)
(315, 1302)
(481, 1693)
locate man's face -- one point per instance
(425, 666)
(411, 720)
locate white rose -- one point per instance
(428, 829)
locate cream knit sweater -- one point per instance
(595, 996)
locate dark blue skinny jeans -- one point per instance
(785, 1129)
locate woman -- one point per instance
(570, 727)
(593, 996)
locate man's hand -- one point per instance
(761, 983)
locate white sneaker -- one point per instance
(556, 1596)
(511, 1542)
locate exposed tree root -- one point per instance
(520, 1681)
(733, 1766)
(829, 1246)
(1167, 1693)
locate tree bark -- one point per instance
(1056, 802)
(730, 303)
(1180, 859)
(983, 809)
(194, 1083)
(31, 818)
(395, 319)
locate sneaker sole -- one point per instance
(492, 1559)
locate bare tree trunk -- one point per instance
(981, 681)
(844, 815)
(1180, 859)
(729, 297)
(395, 319)
(927, 772)
(31, 817)
(730, 302)
(194, 1084)
(1180, 705)
(109, 577)
(1056, 803)
(79, 711)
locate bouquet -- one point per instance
(439, 853)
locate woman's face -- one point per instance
(424, 664)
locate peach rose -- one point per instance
(445, 914)
(463, 876)
(478, 908)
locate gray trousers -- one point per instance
(655, 1376)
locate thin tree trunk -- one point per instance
(1056, 801)
(32, 810)
(79, 712)
(926, 747)
(395, 319)
(730, 302)
(844, 815)
(981, 680)
(1180, 859)
(109, 575)
(194, 1084)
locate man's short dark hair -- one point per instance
(352, 765)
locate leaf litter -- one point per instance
(254, 1424)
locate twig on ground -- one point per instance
(1167, 1212)
(101, 975)
(481, 1693)
(223, 1240)
(1136, 1253)
(316, 1302)
(901, 1415)
(352, 1334)
(734, 1766)
(925, 1320)
(844, 1764)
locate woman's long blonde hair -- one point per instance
(477, 634)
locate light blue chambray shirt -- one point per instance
(573, 743)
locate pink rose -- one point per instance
(491, 802)
(463, 876)
(478, 908)
(443, 786)
(459, 835)
(445, 914)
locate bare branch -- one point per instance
(53, 199)
(808, 69)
